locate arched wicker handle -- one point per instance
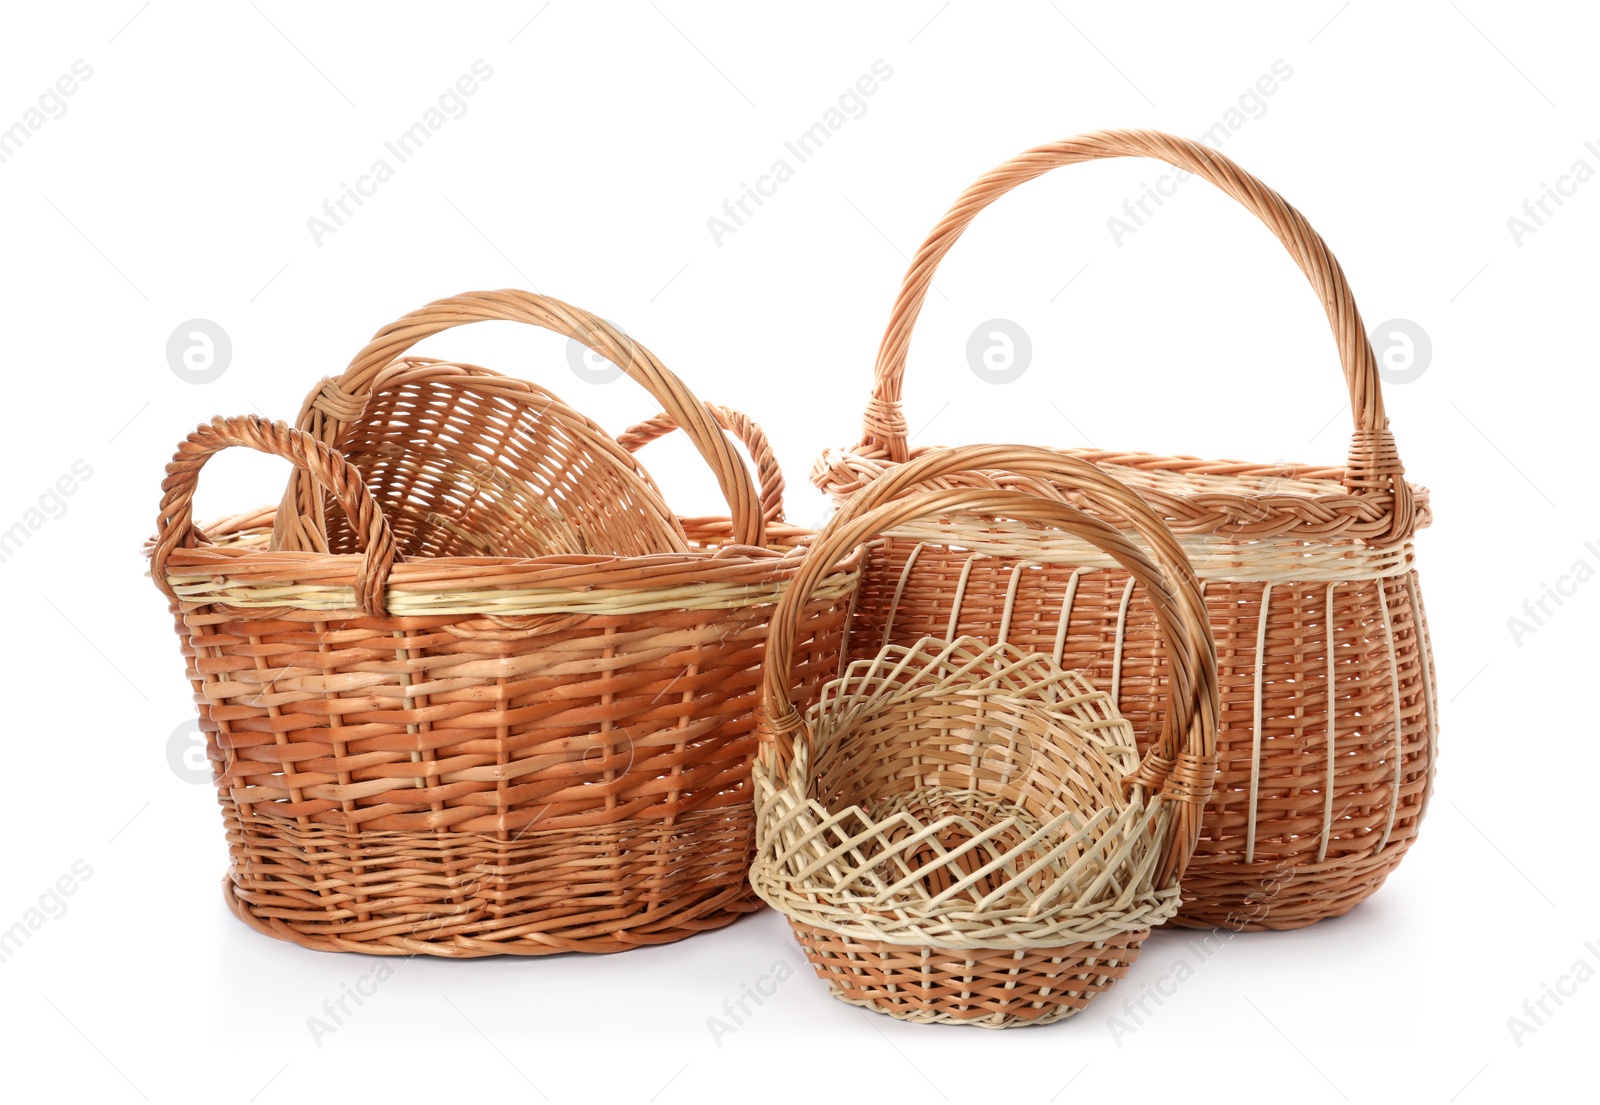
(299, 522)
(741, 426)
(1180, 767)
(328, 471)
(1374, 463)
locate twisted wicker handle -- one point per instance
(1374, 464)
(741, 426)
(1180, 767)
(327, 470)
(299, 521)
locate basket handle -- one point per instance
(327, 470)
(741, 426)
(299, 523)
(1374, 465)
(1181, 765)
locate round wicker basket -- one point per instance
(961, 832)
(425, 739)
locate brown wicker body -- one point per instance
(961, 832)
(462, 755)
(1329, 709)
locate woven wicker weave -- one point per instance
(471, 755)
(1330, 716)
(961, 832)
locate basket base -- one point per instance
(1270, 898)
(976, 986)
(715, 912)
(631, 883)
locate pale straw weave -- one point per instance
(961, 832)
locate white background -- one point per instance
(177, 185)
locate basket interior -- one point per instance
(996, 784)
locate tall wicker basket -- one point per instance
(961, 832)
(1329, 711)
(427, 748)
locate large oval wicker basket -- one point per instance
(1330, 716)
(421, 746)
(960, 832)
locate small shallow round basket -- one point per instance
(468, 462)
(1330, 710)
(961, 832)
(420, 747)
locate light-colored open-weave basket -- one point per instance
(461, 754)
(961, 832)
(1329, 705)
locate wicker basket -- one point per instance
(1329, 707)
(961, 832)
(469, 755)
(468, 462)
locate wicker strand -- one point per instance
(1333, 734)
